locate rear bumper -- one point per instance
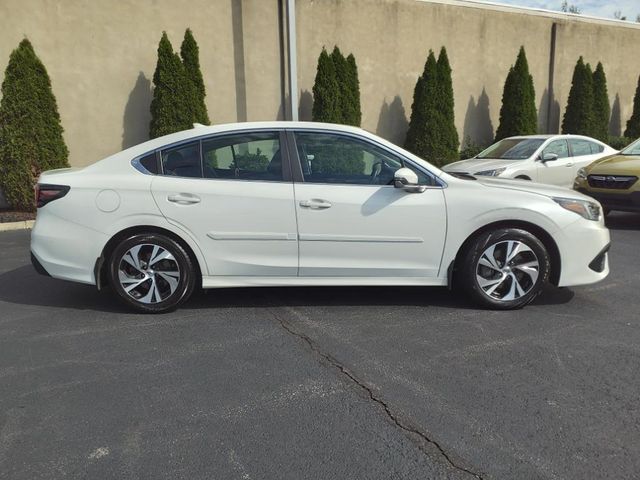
(626, 202)
(38, 266)
(64, 249)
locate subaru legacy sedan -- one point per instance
(306, 204)
(552, 159)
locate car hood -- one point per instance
(474, 165)
(532, 187)
(616, 165)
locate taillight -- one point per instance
(48, 193)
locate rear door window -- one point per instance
(246, 156)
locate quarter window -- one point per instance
(150, 162)
(333, 158)
(558, 147)
(182, 161)
(250, 156)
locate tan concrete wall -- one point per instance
(101, 55)
(391, 39)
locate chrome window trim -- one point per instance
(135, 162)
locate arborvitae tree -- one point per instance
(353, 112)
(191, 61)
(518, 114)
(578, 116)
(342, 77)
(447, 150)
(30, 130)
(326, 106)
(172, 104)
(601, 107)
(423, 135)
(633, 125)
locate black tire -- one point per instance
(471, 271)
(523, 177)
(168, 292)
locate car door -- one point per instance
(234, 194)
(352, 222)
(559, 171)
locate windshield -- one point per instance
(512, 149)
(633, 149)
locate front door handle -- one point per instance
(570, 164)
(315, 204)
(184, 199)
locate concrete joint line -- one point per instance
(372, 395)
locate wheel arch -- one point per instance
(100, 271)
(544, 236)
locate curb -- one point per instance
(24, 225)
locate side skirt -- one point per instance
(232, 281)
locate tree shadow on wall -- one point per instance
(478, 128)
(548, 114)
(305, 106)
(137, 113)
(392, 121)
(615, 123)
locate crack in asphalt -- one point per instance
(286, 325)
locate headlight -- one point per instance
(491, 173)
(584, 208)
(582, 174)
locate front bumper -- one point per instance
(626, 202)
(583, 247)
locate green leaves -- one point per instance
(601, 107)
(579, 115)
(191, 59)
(178, 96)
(633, 125)
(432, 134)
(30, 130)
(518, 115)
(336, 91)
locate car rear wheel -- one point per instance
(505, 269)
(151, 273)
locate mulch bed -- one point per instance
(13, 216)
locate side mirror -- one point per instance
(548, 157)
(407, 179)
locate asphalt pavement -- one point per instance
(320, 383)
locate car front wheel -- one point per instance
(151, 273)
(504, 269)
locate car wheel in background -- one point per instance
(504, 269)
(151, 273)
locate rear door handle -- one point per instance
(315, 204)
(570, 164)
(184, 199)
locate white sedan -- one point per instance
(552, 159)
(304, 204)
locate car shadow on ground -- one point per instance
(623, 221)
(24, 286)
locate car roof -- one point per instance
(204, 130)
(555, 136)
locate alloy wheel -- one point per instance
(507, 270)
(149, 273)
